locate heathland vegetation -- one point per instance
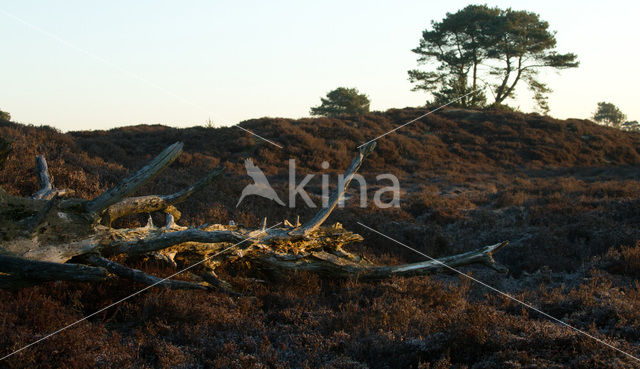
(566, 193)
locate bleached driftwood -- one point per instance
(46, 191)
(72, 239)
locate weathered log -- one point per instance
(34, 222)
(58, 237)
(165, 240)
(18, 272)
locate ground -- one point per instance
(565, 193)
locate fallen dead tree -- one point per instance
(50, 238)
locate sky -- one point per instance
(82, 65)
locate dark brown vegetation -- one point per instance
(566, 193)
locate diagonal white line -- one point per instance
(420, 117)
(255, 134)
(98, 58)
(504, 294)
(116, 67)
(133, 294)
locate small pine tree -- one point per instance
(609, 115)
(4, 115)
(632, 126)
(341, 101)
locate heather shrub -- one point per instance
(467, 180)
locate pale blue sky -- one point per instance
(96, 65)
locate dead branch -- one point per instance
(331, 265)
(44, 180)
(139, 276)
(151, 203)
(46, 191)
(323, 214)
(130, 184)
